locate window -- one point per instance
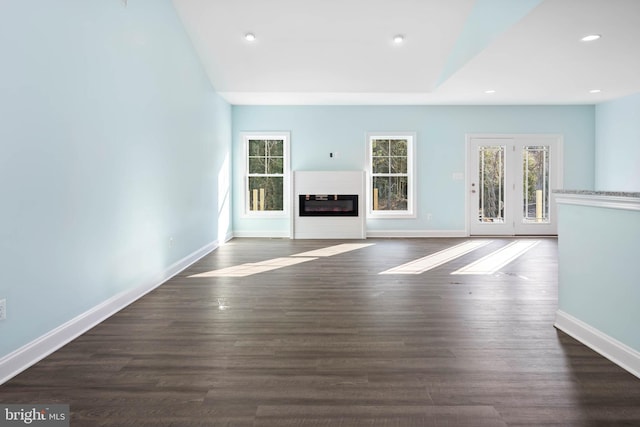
(391, 189)
(267, 173)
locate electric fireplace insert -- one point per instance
(328, 204)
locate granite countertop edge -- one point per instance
(635, 195)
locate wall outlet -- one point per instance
(3, 309)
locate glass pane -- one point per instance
(380, 165)
(256, 147)
(398, 147)
(257, 165)
(266, 193)
(491, 187)
(390, 193)
(275, 148)
(380, 148)
(275, 165)
(535, 204)
(398, 165)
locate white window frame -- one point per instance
(410, 212)
(286, 191)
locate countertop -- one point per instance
(599, 193)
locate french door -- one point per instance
(510, 182)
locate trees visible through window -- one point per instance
(492, 176)
(266, 173)
(536, 168)
(390, 174)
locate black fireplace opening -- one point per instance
(328, 204)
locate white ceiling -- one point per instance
(342, 52)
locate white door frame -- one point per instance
(556, 180)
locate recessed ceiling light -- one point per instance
(399, 39)
(250, 37)
(490, 91)
(595, 91)
(591, 37)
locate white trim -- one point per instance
(599, 201)
(556, 182)
(294, 206)
(617, 352)
(467, 186)
(286, 190)
(29, 354)
(412, 210)
(512, 135)
(262, 234)
(415, 233)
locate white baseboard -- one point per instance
(619, 353)
(369, 233)
(29, 354)
(416, 233)
(262, 234)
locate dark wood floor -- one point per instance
(330, 342)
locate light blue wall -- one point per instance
(599, 270)
(618, 145)
(318, 130)
(112, 142)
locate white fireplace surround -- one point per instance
(328, 182)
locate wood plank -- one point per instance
(331, 342)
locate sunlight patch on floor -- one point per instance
(253, 267)
(434, 260)
(334, 250)
(498, 259)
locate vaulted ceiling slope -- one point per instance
(522, 52)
